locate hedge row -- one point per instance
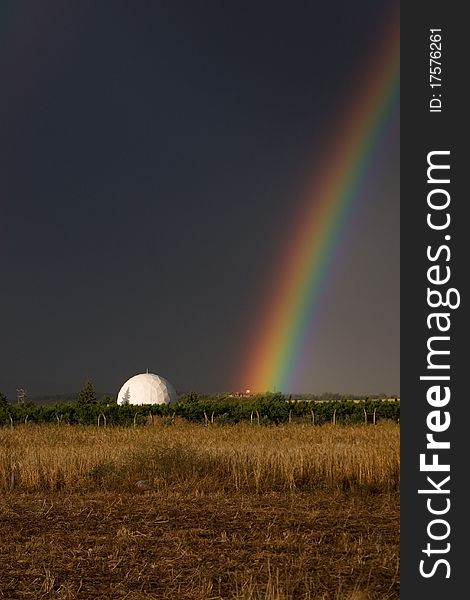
(267, 409)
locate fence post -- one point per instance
(334, 417)
(313, 416)
(365, 416)
(375, 410)
(257, 416)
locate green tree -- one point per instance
(3, 400)
(87, 395)
(107, 399)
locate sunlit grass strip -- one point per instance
(202, 459)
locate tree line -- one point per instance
(263, 409)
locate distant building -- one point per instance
(147, 388)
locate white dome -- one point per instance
(147, 388)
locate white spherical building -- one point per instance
(147, 388)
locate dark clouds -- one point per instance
(151, 154)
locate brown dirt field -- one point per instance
(169, 544)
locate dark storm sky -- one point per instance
(151, 157)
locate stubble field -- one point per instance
(175, 510)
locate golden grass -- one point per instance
(241, 512)
(241, 457)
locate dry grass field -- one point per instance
(182, 511)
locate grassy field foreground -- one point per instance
(181, 511)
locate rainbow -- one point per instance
(301, 277)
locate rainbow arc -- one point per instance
(323, 220)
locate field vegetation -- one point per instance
(180, 510)
(268, 408)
